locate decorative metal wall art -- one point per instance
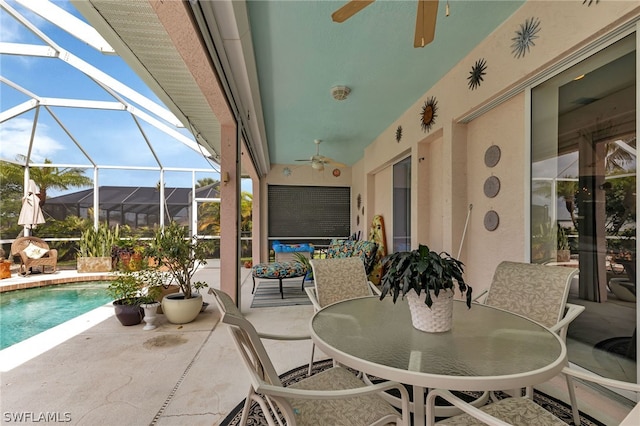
(492, 156)
(475, 75)
(523, 40)
(428, 114)
(491, 220)
(491, 186)
(398, 134)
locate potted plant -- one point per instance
(131, 290)
(432, 276)
(94, 253)
(179, 255)
(564, 252)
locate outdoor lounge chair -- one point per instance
(332, 397)
(523, 410)
(34, 252)
(338, 279)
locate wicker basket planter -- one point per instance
(435, 319)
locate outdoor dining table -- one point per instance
(487, 348)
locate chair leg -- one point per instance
(247, 404)
(303, 277)
(254, 284)
(572, 399)
(281, 292)
(313, 349)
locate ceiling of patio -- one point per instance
(292, 54)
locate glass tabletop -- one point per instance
(486, 349)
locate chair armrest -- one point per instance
(572, 312)
(462, 405)
(285, 337)
(481, 295)
(53, 253)
(375, 288)
(604, 381)
(311, 292)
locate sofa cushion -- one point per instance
(34, 252)
(366, 250)
(340, 248)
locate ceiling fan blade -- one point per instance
(425, 22)
(349, 9)
(333, 162)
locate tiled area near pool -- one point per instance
(17, 282)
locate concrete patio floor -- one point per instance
(174, 375)
(109, 374)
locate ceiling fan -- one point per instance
(318, 161)
(425, 18)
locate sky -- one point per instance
(109, 138)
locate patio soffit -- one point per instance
(137, 35)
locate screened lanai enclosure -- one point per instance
(97, 142)
(133, 206)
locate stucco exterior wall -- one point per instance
(448, 160)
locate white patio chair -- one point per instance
(538, 292)
(332, 397)
(337, 279)
(522, 410)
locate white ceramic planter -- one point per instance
(179, 310)
(150, 310)
(438, 318)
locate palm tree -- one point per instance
(46, 177)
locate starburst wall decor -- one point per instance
(398, 134)
(523, 40)
(476, 73)
(428, 114)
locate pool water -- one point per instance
(25, 313)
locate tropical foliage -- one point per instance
(180, 254)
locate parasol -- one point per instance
(31, 213)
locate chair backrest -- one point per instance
(538, 292)
(247, 341)
(21, 243)
(339, 279)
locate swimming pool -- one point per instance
(25, 313)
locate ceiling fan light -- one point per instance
(317, 165)
(340, 93)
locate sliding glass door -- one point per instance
(583, 200)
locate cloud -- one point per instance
(15, 135)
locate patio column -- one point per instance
(230, 212)
(177, 19)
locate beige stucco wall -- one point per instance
(448, 161)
